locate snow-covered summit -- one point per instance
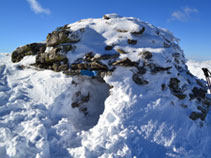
(121, 89)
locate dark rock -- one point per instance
(108, 47)
(139, 80)
(106, 57)
(163, 87)
(146, 55)
(141, 70)
(180, 95)
(155, 69)
(131, 41)
(198, 93)
(139, 32)
(174, 85)
(106, 17)
(29, 49)
(197, 115)
(125, 62)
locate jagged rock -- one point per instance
(139, 80)
(125, 62)
(29, 49)
(139, 32)
(54, 59)
(62, 35)
(54, 55)
(131, 41)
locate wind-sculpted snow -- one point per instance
(143, 102)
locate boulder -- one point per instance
(62, 35)
(29, 49)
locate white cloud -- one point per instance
(183, 14)
(37, 8)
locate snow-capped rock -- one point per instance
(123, 90)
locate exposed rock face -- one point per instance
(55, 59)
(29, 49)
(62, 35)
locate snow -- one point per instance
(37, 118)
(195, 67)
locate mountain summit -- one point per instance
(113, 87)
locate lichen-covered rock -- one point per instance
(29, 49)
(62, 35)
(54, 59)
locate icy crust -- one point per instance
(141, 109)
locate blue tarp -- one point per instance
(89, 72)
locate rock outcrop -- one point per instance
(74, 50)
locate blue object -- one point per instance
(90, 73)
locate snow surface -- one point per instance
(195, 67)
(126, 121)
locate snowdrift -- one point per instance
(113, 87)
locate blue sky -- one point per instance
(27, 21)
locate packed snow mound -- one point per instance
(119, 88)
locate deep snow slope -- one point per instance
(146, 105)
